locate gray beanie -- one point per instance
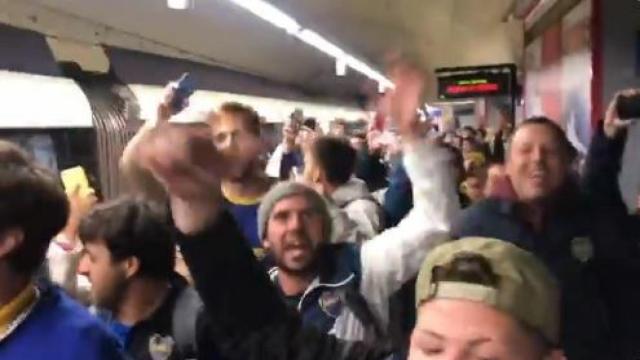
(288, 189)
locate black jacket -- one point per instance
(249, 320)
(162, 325)
(372, 169)
(588, 244)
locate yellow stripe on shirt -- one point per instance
(12, 311)
(241, 200)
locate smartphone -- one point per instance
(76, 178)
(628, 107)
(184, 88)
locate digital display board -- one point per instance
(474, 85)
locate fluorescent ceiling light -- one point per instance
(341, 66)
(369, 72)
(312, 38)
(179, 4)
(271, 14)
(361, 67)
(278, 18)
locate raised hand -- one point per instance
(164, 112)
(613, 125)
(182, 157)
(406, 98)
(79, 205)
(184, 160)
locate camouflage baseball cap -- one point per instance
(525, 288)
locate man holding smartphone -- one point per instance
(581, 229)
(233, 124)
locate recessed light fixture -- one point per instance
(280, 19)
(270, 14)
(341, 66)
(179, 4)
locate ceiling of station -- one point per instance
(435, 33)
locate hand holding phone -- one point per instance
(75, 181)
(628, 106)
(183, 88)
(624, 107)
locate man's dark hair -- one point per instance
(11, 153)
(467, 268)
(557, 131)
(475, 269)
(249, 117)
(131, 227)
(335, 157)
(32, 201)
(310, 123)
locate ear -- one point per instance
(131, 266)
(266, 244)
(320, 177)
(10, 240)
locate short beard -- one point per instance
(308, 270)
(114, 300)
(247, 173)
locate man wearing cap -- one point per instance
(340, 289)
(477, 298)
(481, 298)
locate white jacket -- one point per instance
(273, 165)
(396, 255)
(62, 265)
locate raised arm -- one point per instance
(247, 317)
(395, 256)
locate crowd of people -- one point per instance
(359, 244)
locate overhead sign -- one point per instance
(473, 85)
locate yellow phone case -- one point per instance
(76, 177)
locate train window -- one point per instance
(58, 149)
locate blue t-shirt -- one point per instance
(122, 332)
(245, 213)
(289, 160)
(59, 328)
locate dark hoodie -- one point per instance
(588, 246)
